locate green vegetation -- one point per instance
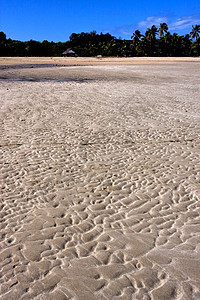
(155, 42)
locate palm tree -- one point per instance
(151, 33)
(136, 42)
(195, 32)
(136, 35)
(163, 29)
(149, 41)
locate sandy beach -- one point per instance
(100, 178)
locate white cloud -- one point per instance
(181, 23)
(178, 24)
(153, 20)
(118, 31)
(185, 22)
(125, 30)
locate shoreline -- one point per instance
(90, 61)
(91, 69)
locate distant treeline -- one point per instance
(155, 42)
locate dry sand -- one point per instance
(100, 180)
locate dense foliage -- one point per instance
(155, 42)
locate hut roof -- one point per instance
(68, 51)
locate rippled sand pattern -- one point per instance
(100, 184)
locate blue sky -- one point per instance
(55, 20)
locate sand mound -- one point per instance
(100, 183)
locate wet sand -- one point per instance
(100, 179)
(85, 61)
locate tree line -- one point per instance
(155, 42)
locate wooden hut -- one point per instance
(69, 52)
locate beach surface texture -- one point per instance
(100, 178)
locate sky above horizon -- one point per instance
(55, 20)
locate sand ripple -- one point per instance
(100, 186)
